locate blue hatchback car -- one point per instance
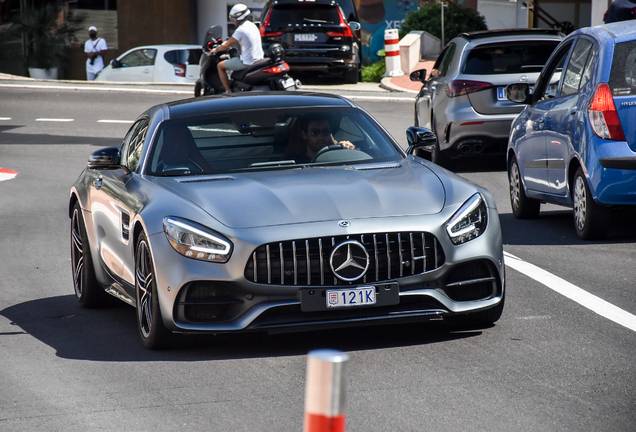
(574, 144)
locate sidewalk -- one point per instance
(403, 83)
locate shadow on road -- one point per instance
(110, 334)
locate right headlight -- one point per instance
(196, 241)
(469, 222)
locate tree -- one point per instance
(457, 19)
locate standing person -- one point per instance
(94, 49)
(248, 37)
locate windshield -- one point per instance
(274, 139)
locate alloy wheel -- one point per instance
(580, 204)
(77, 254)
(144, 279)
(515, 186)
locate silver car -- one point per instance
(211, 216)
(464, 100)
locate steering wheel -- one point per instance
(326, 149)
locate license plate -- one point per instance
(305, 37)
(351, 297)
(501, 93)
(289, 82)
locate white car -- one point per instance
(155, 63)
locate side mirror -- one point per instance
(420, 138)
(418, 75)
(115, 63)
(105, 158)
(518, 93)
(355, 26)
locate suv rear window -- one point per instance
(503, 58)
(184, 56)
(284, 15)
(623, 75)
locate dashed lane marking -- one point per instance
(115, 121)
(565, 288)
(54, 120)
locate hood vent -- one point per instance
(375, 167)
(205, 180)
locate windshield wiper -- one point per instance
(315, 21)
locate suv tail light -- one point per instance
(179, 70)
(265, 30)
(462, 87)
(344, 31)
(603, 116)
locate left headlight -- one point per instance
(469, 222)
(196, 241)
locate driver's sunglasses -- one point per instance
(324, 131)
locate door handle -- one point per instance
(98, 183)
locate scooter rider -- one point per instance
(249, 38)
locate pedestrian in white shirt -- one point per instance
(94, 48)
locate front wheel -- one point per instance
(350, 76)
(522, 206)
(153, 332)
(88, 292)
(437, 156)
(197, 89)
(592, 221)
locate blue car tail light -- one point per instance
(603, 116)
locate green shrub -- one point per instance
(457, 19)
(374, 72)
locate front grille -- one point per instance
(307, 261)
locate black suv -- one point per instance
(316, 35)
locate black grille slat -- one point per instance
(306, 261)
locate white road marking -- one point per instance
(5, 118)
(565, 288)
(114, 121)
(7, 174)
(54, 120)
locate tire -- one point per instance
(153, 332)
(437, 155)
(87, 290)
(350, 76)
(522, 206)
(197, 89)
(591, 221)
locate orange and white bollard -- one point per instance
(392, 51)
(325, 391)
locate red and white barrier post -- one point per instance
(392, 51)
(325, 391)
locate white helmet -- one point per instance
(239, 12)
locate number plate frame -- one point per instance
(350, 297)
(315, 299)
(305, 37)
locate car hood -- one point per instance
(266, 198)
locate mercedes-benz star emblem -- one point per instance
(349, 260)
(344, 224)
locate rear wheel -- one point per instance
(592, 221)
(197, 89)
(522, 206)
(437, 156)
(87, 290)
(153, 332)
(350, 76)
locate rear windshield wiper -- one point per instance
(315, 21)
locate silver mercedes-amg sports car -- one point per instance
(279, 212)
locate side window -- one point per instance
(444, 60)
(548, 83)
(141, 57)
(579, 62)
(133, 144)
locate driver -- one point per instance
(247, 36)
(316, 134)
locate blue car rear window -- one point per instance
(623, 75)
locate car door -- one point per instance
(136, 66)
(433, 88)
(566, 117)
(530, 147)
(110, 220)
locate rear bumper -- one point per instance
(472, 137)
